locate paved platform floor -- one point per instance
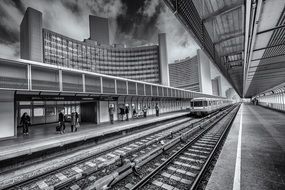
(253, 156)
(44, 136)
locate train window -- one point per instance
(192, 104)
(198, 104)
(205, 103)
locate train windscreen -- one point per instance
(199, 103)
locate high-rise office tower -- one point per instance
(99, 29)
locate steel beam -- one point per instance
(258, 49)
(271, 29)
(224, 10)
(232, 53)
(230, 37)
(268, 57)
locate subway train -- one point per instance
(205, 106)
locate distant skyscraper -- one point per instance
(99, 29)
(216, 86)
(185, 74)
(31, 36)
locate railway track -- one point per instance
(95, 168)
(183, 166)
(105, 161)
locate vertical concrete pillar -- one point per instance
(83, 83)
(101, 84)
(116, 90)
(7, 115)
(60, 80)
(29, 73)
(127, 85)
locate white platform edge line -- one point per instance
(236, 184)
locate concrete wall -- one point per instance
(31, 45)
(163, 64)
(104, 112)
(7, 119)
(204, 73)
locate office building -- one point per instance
(184, 74)
(146, 63)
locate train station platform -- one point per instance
(253, 156)
(43, 137)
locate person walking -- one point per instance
(25, 122)
(61, 122)
(157, 109)
(127, 110)
(111, 113)
(77, 121)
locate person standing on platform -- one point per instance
(134, 113)
(157, 109)
(61, 122)
(111, 113)
(127, 110)
(122, 113)
(144, 111)
(25, 122)
(74, 121)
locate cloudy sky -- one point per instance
(132, 22)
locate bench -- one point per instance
(138, 115)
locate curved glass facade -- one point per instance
(137, 63)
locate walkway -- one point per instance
(258, 160)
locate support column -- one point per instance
(60, 80)
(29, 69)
(116, 90)
(101, 84)
(83, 83)
(7, 115)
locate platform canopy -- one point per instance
(244, 38)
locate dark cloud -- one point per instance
(18, 4)
(72, 5)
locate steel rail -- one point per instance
(199, 178)
(146, 179)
